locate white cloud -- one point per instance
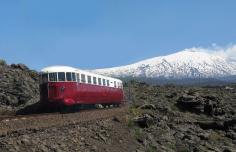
(228, 52)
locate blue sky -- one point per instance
(105, 33)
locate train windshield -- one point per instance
(53, 77)
(58, 77)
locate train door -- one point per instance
(53, 86)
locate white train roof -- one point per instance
(60, 68)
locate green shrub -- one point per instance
(130, 123)
(214, 136)
(134, 111)
(151, 148)
(3, 62)
(138, 133)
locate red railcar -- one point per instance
(62, 85)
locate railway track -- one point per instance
(19, 123)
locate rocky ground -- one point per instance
(101, 130)
(171, 118)
(158, 118)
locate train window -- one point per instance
(89, 79)
(103, 82)
(94, 80)
(53, 76)
(68, 76)
(99, 81)
(78, 79)
(44, 78)
(83, 78)
(108, 83)
(115, 84)
(73, 77)
(61, 76)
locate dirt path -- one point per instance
(44, 121)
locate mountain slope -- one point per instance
(189, 63)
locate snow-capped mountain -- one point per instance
(189, 63)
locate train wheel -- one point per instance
(99, 106)
(104, 105)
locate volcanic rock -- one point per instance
(144, 121)
(148, 106)
(209, 105)
(18, 85)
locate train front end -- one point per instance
(57, 86)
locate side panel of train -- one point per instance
(69, 93)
